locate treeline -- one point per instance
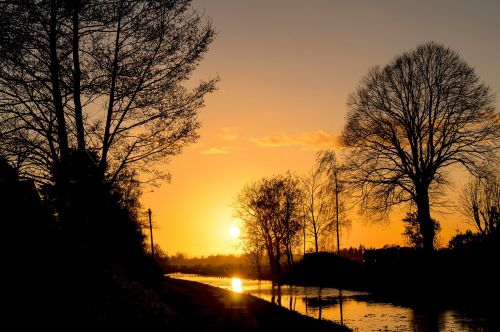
(464, 274)
(91, 270)
(287, 215)
(407, 122)
(183, 259)
(213, 265)
(233, 265)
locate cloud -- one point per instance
(218, 150)
(318, 139)
(227, 133)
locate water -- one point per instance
(357, 310)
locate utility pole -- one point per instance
(151, 232)
(337, 211)
(304, 229)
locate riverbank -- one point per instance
(197, 307)
(447, 279)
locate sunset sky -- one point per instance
(286, 69)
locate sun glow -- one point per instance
(236, 285)
(234, 232)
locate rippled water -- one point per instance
(357, 310)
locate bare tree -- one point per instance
(409, 120)
(291, 215)
(270, 211)
(254, 247)
(319, 207)
(102, 77)
(335, 187)
(251, 239)
(480, 201)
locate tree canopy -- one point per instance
(411, 119)
(105, 77)
(271, 213)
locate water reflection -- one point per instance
(358, 310)
(427, 320)
(340, 307)
(276, 292)
(236, 285)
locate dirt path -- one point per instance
(198, 307)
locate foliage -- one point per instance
(463, 240)
(412, 232)
(327, 269)
(90, 265)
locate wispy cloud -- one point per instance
(228, 133)
(318, 139)
(218, 150)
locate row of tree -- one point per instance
(92, 102)
(407, 123)
(284, 212)
(101, 80)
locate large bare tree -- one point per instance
(104, 77)
(409, 121)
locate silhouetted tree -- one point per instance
(319, 207)
(270, 211)
(463, 240)
(102, 77)
(292, 215)
(408, 121)
(90, 93)
(412, 233)
(480, 201)
(253, 245)
(335, 187)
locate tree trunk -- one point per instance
(316, 241)
(80, 132)
(257, 264)
(278, 260)
(424, 218)
(274, 260)
(337, 213)
(63, 200)
(62, 134)
(289, 255)
(304, 230)
(106, 143)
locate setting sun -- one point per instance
(236, 285)
(234, 232)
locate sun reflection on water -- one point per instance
(236, 285)
(358, 310)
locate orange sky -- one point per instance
(286, 69)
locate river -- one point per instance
(358, 310)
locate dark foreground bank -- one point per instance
(197, 307)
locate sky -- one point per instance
(286, 70)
